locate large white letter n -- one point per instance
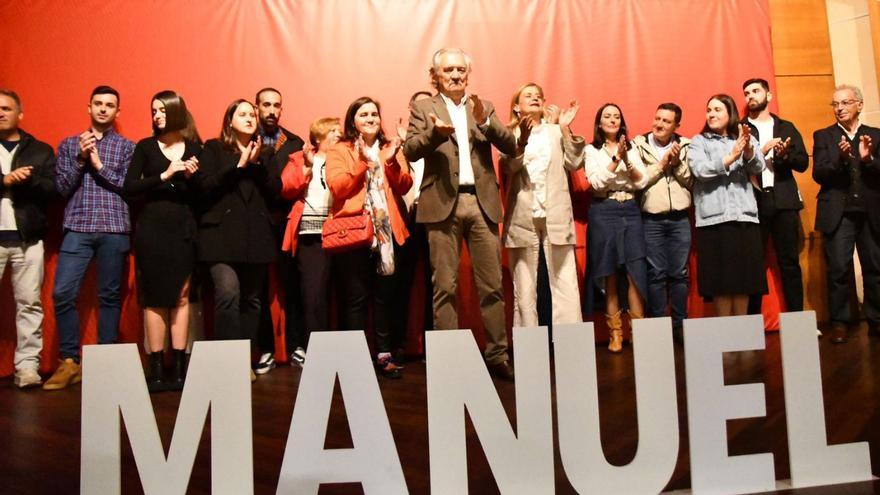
(522, 462)
(113, 382)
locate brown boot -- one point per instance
(615, 332)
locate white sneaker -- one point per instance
(298, 356)
(265, 364)
(27, 377)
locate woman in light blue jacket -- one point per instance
(730, 258)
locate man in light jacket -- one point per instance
(665, 202)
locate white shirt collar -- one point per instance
(856, 131)
(450, 103)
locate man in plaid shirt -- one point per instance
(91, 169)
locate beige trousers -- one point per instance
(27, 264)
(562, 271)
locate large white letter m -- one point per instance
(113, 383)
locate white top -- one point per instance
(596, 162)
(7, 212)
(659, 151)
(536, 159)
(417, 170)
(317, 199)
(765, 135)
(458, 114)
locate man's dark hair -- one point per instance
(672, 107)
(12, 94)
(105, 90)
(412, 99)
(763, 82)
(257, 97)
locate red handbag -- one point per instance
(342, 234)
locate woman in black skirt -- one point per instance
(730, 258)
(161, 172)
(615, 236)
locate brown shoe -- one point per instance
(615, 332)
(838, 333)
(502, 370)
(69, 372)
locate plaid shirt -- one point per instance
(95, 203)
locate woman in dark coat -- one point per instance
(236, 237)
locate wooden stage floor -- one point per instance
(39, 431)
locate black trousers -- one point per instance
(313, 266)
(854, 231)
(406, 259)
(289, 287)
(237, 288)
(784, 227)
(356, 279)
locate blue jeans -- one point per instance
(77, 251)
(668, 243)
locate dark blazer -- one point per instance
(235, 224)
(439, 188)
(29, 199)
(830, 170)
(279, 158)
(785, 189)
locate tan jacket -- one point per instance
(518, 221)
(669, 191)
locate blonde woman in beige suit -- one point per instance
(538, 208)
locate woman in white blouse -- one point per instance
(538, 205)
(615, 236)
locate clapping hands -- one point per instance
(865, 147)
(250, 153)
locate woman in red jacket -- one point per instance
(367, 173)
(304, 181)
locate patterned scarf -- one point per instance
(376, 204)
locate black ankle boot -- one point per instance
(156, 382)
(178, 373)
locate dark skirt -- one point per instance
(164, 252)
(730, 260)
(615, 242)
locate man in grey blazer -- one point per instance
(454, 132)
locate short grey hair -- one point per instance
(435, 60)
(855, 89)
(14, 96)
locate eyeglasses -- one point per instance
(844, 103)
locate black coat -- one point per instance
(30, 198)
(785, 189)
(235, 225)
(831, 171)
(280, 207)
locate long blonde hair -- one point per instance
(514, 101)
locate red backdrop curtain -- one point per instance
(323, 54)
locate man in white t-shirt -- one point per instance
(779, 201)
